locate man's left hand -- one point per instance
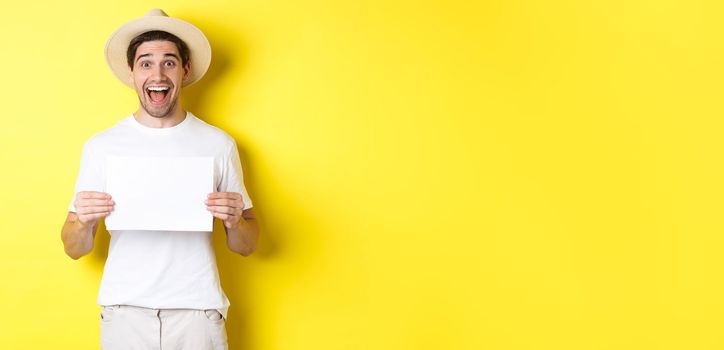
(227, 206)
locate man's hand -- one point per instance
(242, 230)
(227, 206)
(91, 206)
(79, 228)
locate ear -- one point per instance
(130, 76)
(187, 71)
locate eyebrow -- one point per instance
(164, 55)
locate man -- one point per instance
(160, 289)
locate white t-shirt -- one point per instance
(162, 269)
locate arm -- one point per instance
(243, 237)
(79, 228)
(77, 237)
(242, 230)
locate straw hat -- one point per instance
(156, 19)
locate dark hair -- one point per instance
(153, 35)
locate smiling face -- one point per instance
(157, 76)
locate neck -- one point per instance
(173, 118)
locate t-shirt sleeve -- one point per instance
(90, 175)
(232, 177)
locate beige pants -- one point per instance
(130, 327)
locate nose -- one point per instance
(157, 71)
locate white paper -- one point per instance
(159, 193)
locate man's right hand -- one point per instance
(91, 206)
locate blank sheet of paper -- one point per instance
(159, 193)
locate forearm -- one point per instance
(77, 237)
(243, 237)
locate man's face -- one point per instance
(157, 76)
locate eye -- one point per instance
(145, 64)
(170, 64)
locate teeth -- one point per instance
(157, 88)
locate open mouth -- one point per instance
(158, 94)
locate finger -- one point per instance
(93, 195)
(226, 216)
(237, 201)
(234, 203)
(90, 217)
(94, 202)
(221, 216)
(94, 210)
(221, 209)
(229, 195)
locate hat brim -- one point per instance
(117, 45)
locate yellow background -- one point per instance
(428, 174)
